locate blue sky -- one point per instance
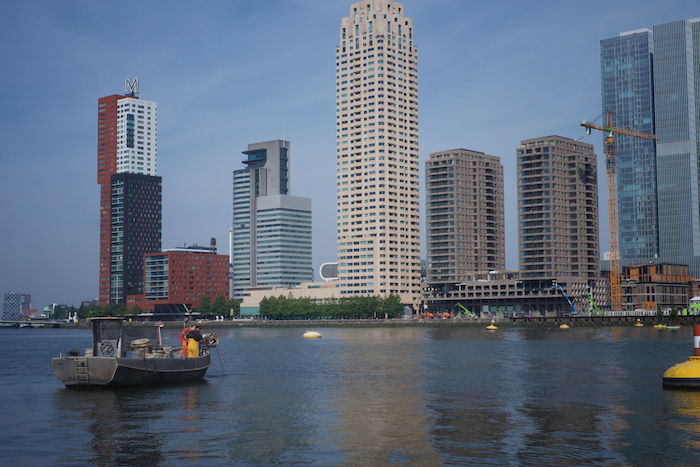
(226, 74)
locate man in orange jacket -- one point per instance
(183, 340)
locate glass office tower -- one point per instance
(271, 229)
(676, 71)
(627, 88)
(651, 81)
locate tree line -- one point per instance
(344, 308)
(270, 307)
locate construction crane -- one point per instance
(591, 299)
(612, 200)
(573, 309)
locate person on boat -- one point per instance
(183, 340)
(194, 337)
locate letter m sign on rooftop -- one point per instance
(130, 87)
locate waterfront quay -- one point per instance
(510, 321)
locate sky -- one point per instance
(227, 74)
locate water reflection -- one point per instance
(526, 397)
(117, 422)
(277, 398)
(190, 416)
(412, 396)
(686, 404)
(379, 401)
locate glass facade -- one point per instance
(627, 91)
(156, 287)
(271, 251)
(651, 82)
(135, 230)
(241, 231)
(676, 126)
(284, 247)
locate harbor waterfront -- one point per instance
(419, 396)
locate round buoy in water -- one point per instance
(312, 334)
(491, 327)
(564, 326)
(686, 374)
(639, 323)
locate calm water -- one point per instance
(358, 397)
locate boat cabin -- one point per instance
(108, 337)
(111, 339)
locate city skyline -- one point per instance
(481, 71)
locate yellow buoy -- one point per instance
(639, 323)
(312, 334)
(659, 326)
(491, 327)
(564, 326)
(686, 374)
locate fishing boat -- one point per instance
(117, 360)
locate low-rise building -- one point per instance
(175, 280)
(648, 286)
(318, 291)
(510, 293)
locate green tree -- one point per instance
(234, 305)
(266, 307)
(659, 314)
(82, 312)
(204, 305)
(392, 306)
(114, 310)
(673, 314)
(220, 306)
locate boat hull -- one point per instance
(77, 372)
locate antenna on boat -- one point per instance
(159, 325)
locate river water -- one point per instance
(366, 397)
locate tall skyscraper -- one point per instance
(557, 208)
(127, 132)
(271, 229)
(465, 230)
(650, 79)
(677, 122)
(378, 211)
(628, 92)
